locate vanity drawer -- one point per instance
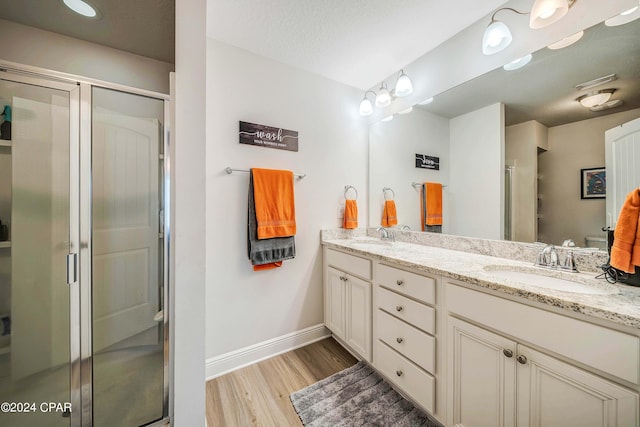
(407, 340)
(419, 315)
(412, 285)
(349, 263)
(419, 385)
(608, 350)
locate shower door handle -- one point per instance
(72, 268)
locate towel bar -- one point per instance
(230, 171)
(384, 192)
(419, 184)
(346, 189)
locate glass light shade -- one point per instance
(403, 85)
(567, 41)
(366, 109)
(518, 63)
(81, 7)
(546, 12)
(496, 37)
(383, 99)
(592, 100)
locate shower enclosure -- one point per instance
(83, 256)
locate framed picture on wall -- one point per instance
(593, 183)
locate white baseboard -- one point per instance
(225, 363)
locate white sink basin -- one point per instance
(541, 280)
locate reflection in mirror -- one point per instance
(512, 144)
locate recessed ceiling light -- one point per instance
(518, 63)
(82, 7)
(567, 41)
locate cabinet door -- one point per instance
(552, 393)
(359, 316)
(481, 377)
(335, 302)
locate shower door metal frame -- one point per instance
(80, 232)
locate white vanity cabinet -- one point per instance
(498, 381)
(405, 329)
(347, 300)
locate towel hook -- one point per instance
(347, 188)
(384, 192)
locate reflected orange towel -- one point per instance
(267, 266)
(275, 207)
(625, 252)
(434, 203)
(350, 219)
(389, 215)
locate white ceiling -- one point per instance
(356, 42)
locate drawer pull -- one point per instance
(399, 308)
(399, 340)
(399, 373)
(507, 352)
(399, 282)
(521, 359)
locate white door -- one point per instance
(126, 226)
(359, 316)
(622, 162)
(552, 393)
(335, 300)
(481, 377)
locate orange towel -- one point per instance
(625, 252)
(433, 203)
(389, 215)
(267, 266)
(350, 219)
(275, 207)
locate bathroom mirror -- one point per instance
(540, 192)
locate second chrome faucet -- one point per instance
(548, 257)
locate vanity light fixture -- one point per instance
(383, 98)
(403, 86)
(83, 8)
(595, 98)
(497, 35)
(547, 12)
(567, 41)
(366, 109)
(518, 63)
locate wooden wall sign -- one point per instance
(427, 162)
(268, 136)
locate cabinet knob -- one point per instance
(399, 373)
(399, 282)
(399, 308)
(507, 352)
(399, 340)
(521, 359)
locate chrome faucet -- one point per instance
(386, 234)
(548, 257)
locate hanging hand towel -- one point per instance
(389, 215)
(274, 203)
(266, 253)
(350, 219)
(625, 252)
(431, 207)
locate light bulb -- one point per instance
(496, 37)
(384, 97)
(366, 109)
(403, 85)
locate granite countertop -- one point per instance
(619, 303)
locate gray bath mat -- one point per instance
(356, 396)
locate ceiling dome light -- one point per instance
(567, 41)
(593, 99)
(518, 63)
(403, 85)
(81, 7)
(496, 38)
(546, 12)
(383, 99)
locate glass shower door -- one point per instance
(128, 330)
(35, 239)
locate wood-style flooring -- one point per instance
(258, 395)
